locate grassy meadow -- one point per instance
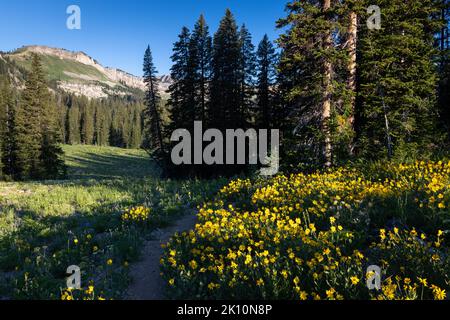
(298, 236)
(47, 226)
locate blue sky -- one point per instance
(116, 33)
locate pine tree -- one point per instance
(115, 134)
(96, 116)
(101, 128)
(3, 122)
(38, 154)
(182, 92)
(266, 74)
(247, 76)
(104, 124)
(1, 141)
(444, 92)
(7, 128)
(73, 124)
(225, 83)
(398, 80)
(444, 68)
(327, 86)
(314, 82)
(350, 11)
(136, 134)
(87, 123)
(62, 118)
(51, 156)
(200, 55)
(28, 123)
(153, 138)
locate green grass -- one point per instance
(46, 226)
(107, 162)
(55, 68)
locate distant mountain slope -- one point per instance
(78, 73)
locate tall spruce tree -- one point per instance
(349, 12)
(87, 123)
(51, 156)
(153, 136)
(116, 137)
(38, 154)
(444, 92)
(225, 83)
(3, 122)
(73, 124)
(247, 76)
(200, 51)
(136, 133)
(181, 101)
(62, 117)
(28, 127)
(101, 125)
(444, 68)
(398, 80)
(314, 83)
(7, 126)
(266, 74)
(327, 84)
(2, 134)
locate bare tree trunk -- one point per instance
(326, 105)
(388, 131)
(352, 42)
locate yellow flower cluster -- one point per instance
(136, 214)
(397, 288)
(236, 186)
(408, 249)
(88, 293)
(305, 236)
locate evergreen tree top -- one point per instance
(149, 68)
(201, 23)
(227, 25)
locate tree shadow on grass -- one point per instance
(95, 166)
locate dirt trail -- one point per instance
(147, 283)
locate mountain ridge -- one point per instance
(78, 73)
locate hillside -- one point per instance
(80, 74)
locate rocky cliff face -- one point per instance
(90, 78)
